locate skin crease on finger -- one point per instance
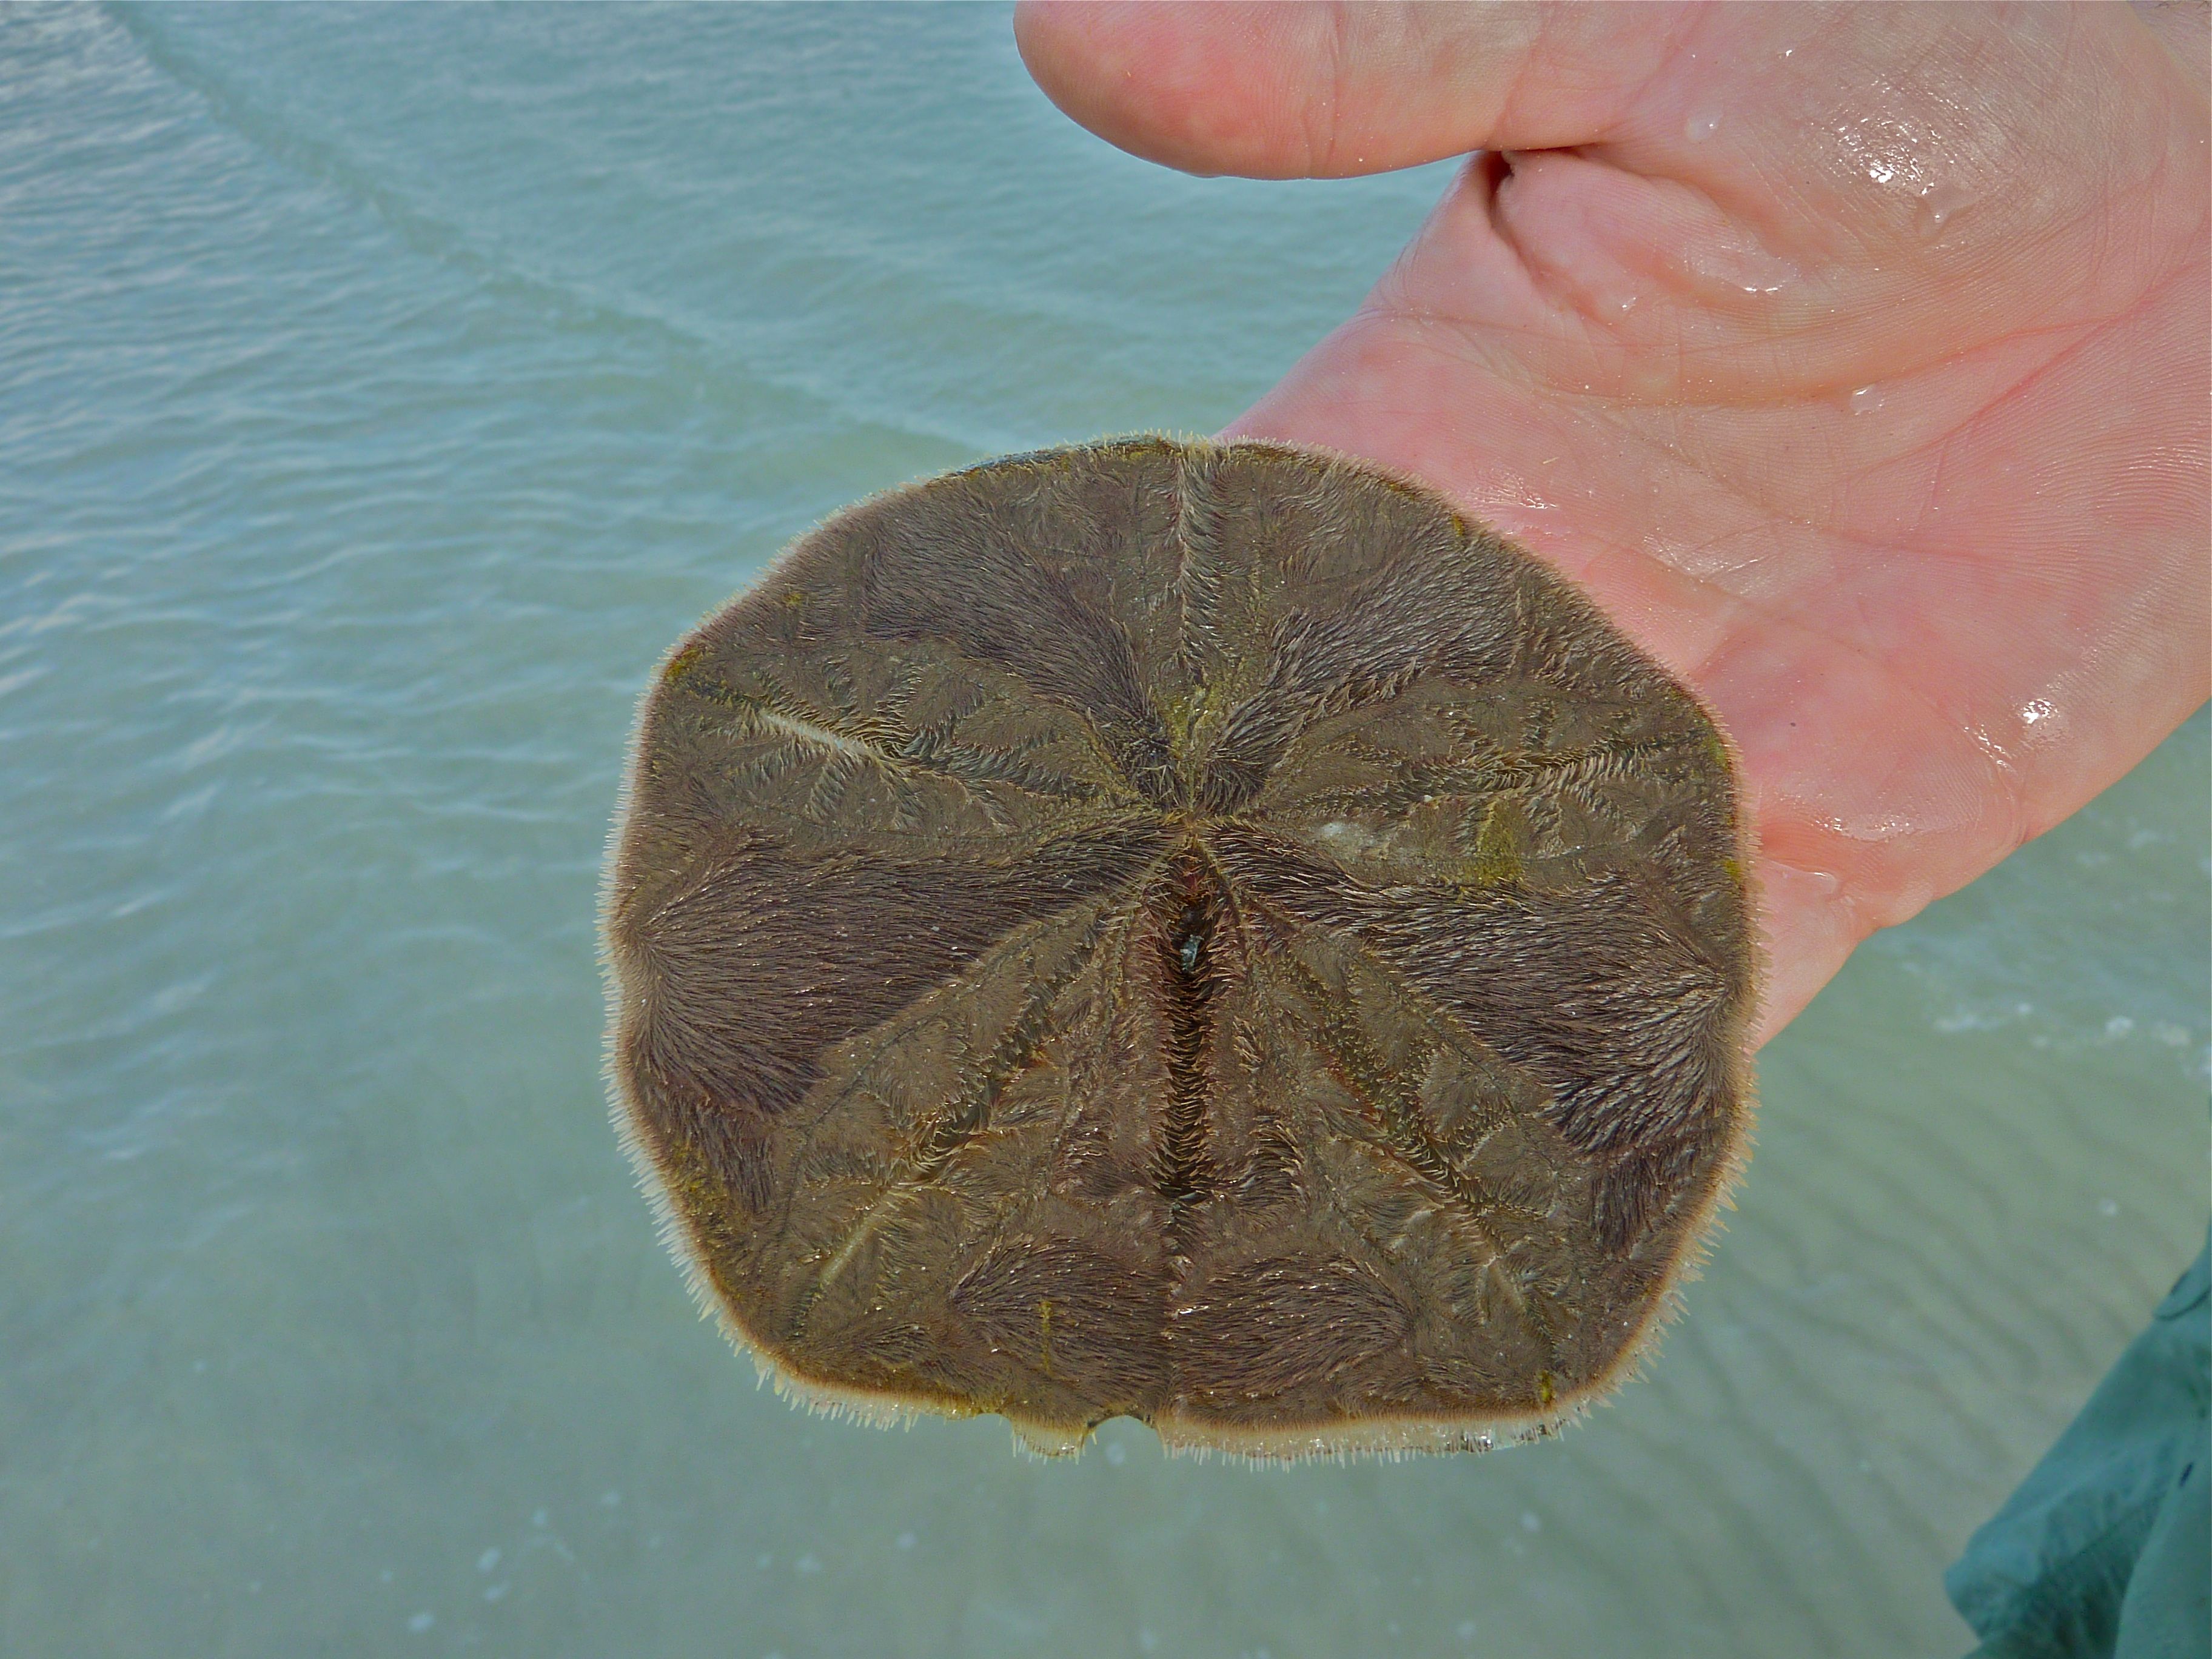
(1853, 359)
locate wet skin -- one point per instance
(1853, 360)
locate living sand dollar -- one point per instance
(1200, 932)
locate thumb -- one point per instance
(1273, 91)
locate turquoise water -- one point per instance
(379, 394)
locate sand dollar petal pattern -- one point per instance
(1191, 931)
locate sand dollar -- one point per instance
(1191, 931)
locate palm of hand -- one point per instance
(1855, 361)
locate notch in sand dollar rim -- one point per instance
(1195, 931)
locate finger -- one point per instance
(1845, 135)
(1274, 91)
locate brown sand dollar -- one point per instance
(1190, 931)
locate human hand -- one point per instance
(1855, 360)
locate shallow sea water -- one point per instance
(379, 394)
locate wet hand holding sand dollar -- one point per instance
(390, 393)
(1195, 931)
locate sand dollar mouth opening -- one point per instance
(1195, 932)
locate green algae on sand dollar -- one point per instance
(1195, 932)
